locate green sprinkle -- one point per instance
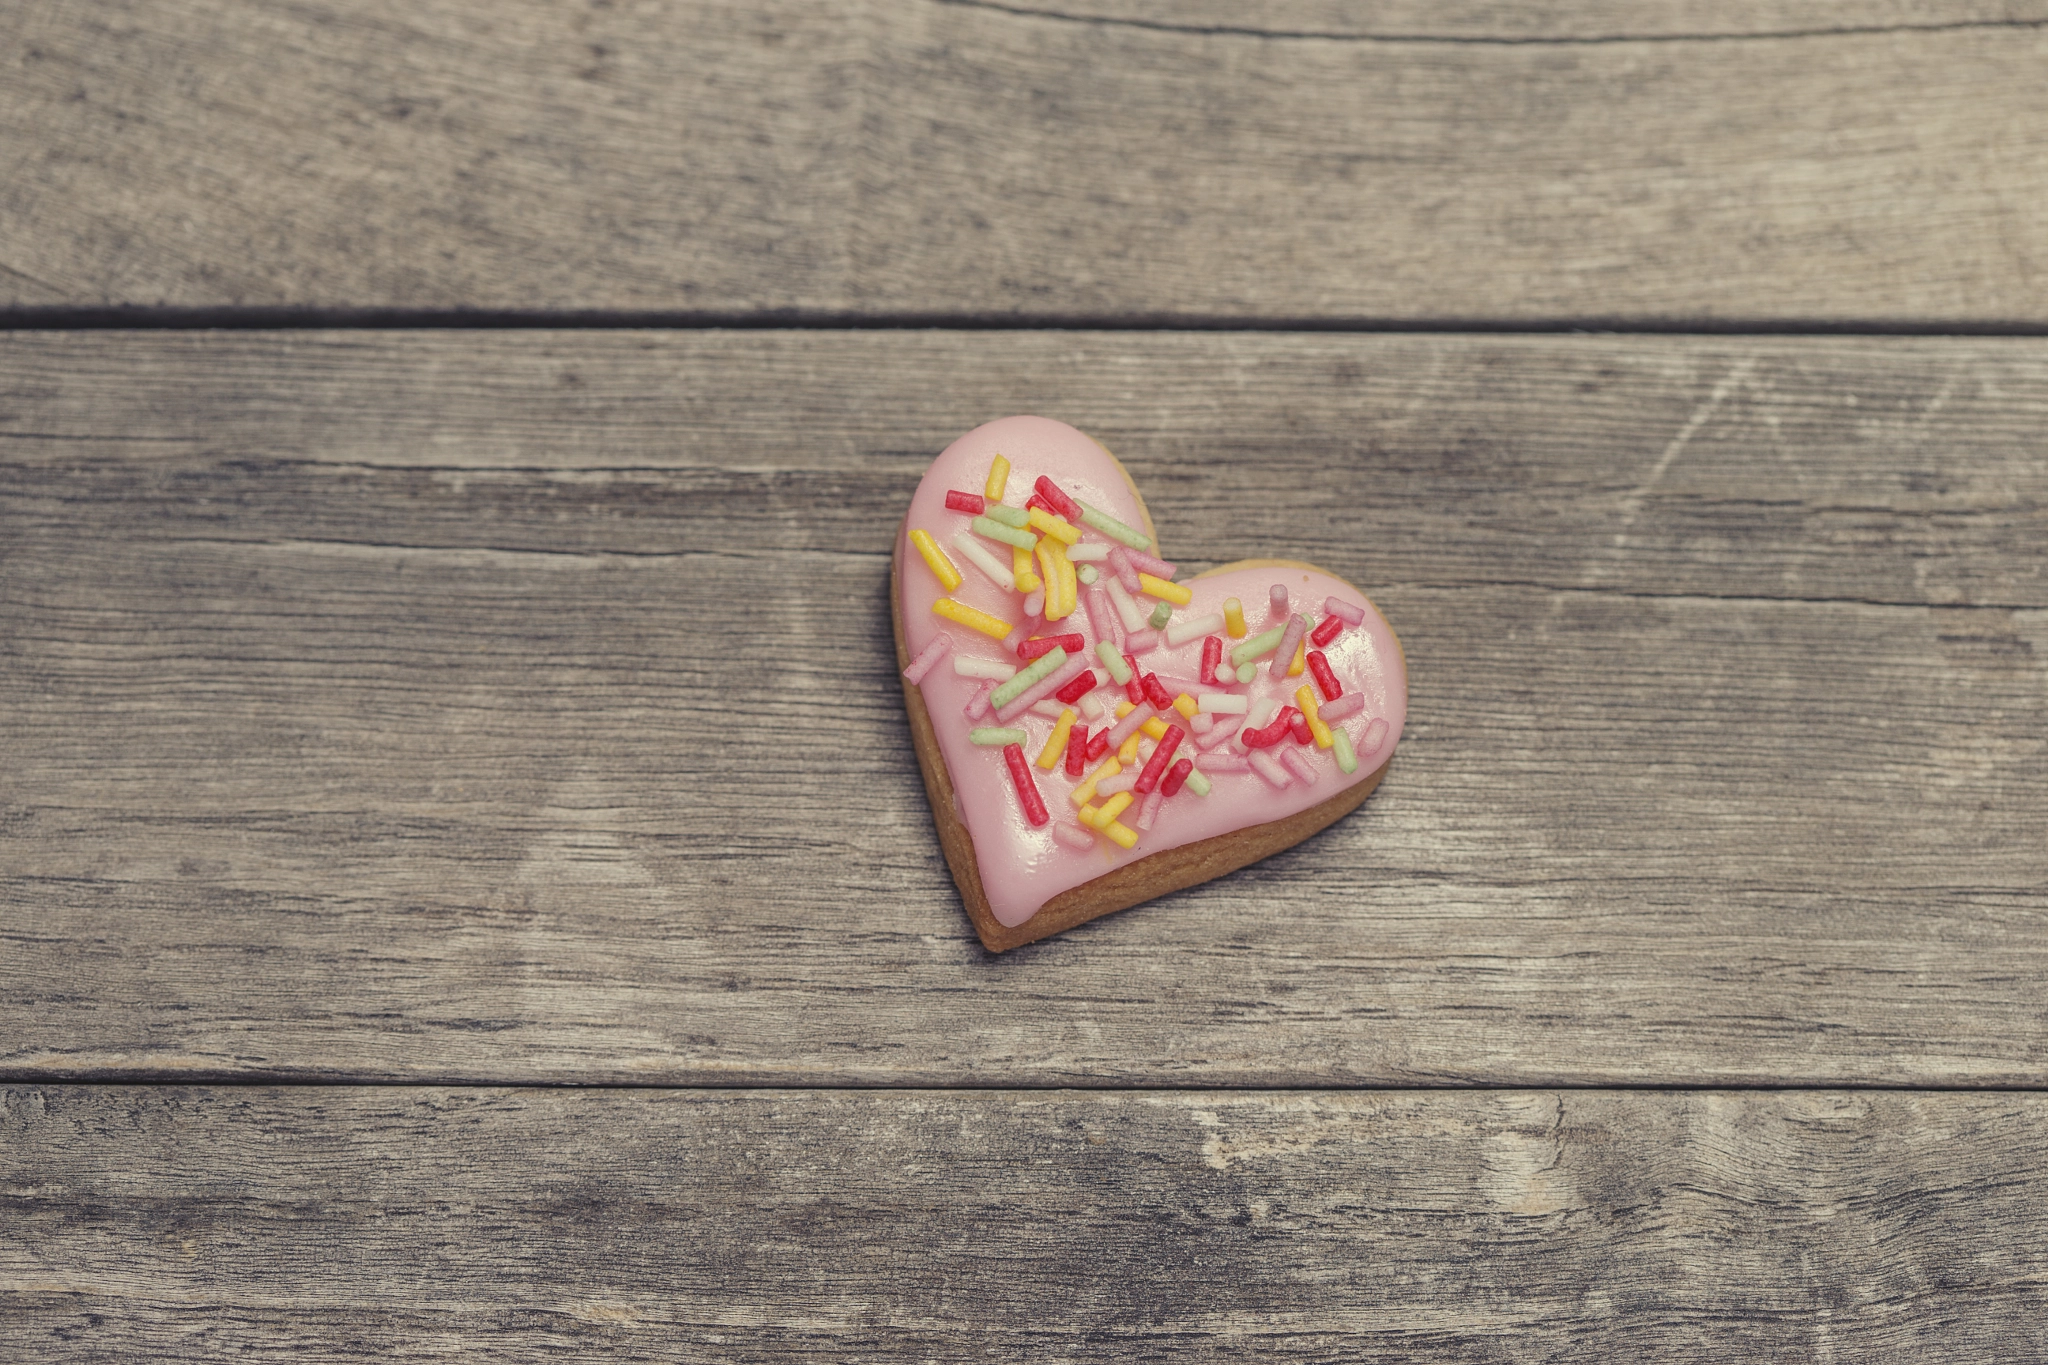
(1347, 759)
(1198, 784)
(1246, 672)
(1257, 645)
(1113, 661)
(1114, 529)
(997, 737)
(1086, 573)
(1009, 516)
(995, 530)
(1036, 671)
(1161, 614)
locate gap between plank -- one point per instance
(52, 319)
(246, 1081)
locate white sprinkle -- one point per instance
(968, 666)
(984, 561)
(1180, 632)
(1088, 552)
(1222, 703)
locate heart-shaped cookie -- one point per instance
(1094, 733)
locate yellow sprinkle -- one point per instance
(1056, 748)
(1089, 810)
(936, 557)
(995, 627)
(1165, 591)
(998, 479)
(1305, 698)
(1070, 586)
(1059, 528)
(1154, 728)
(1124, 708)
(1128, 750)
(1051, 577)
(1083, 794)
(1300, 660)
(1185, 704)
(1113, 808)
(1125, 836)
(1020, 570)
(1233, 617)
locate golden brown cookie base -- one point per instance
(1132, 884)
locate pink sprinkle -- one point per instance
(926, 657)
(1120, 565)
(1034, 602)
(1267, 767)
(1145, 563)
(1375, 735)
(1220, 735)
(1279, 599)
(1075, 665)
(1123, 729)
(1141, 642)
(1344, 611)
(1283, 658)
(1102, 615)
(1148, 809)
(1351, 703)
(1122, 782)
(977, 705)
(1074, 837)
(1224, 761)
(1299, 763)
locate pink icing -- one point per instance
(1023, 867)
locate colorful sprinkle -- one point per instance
(1170, 785)
(1223, 761)
(1084, 682)
(1297, 626)
(1119, 667)
(1115, 806)
(1185, 704)
(936, 558)
(1180, 632)
(1127, 725)
(970, 503)
(1114, 529)
(927, 657)
(1347, 761)
(1343, 706)
(1161, 614)
(1092, 707)
(1094, 552)
(1149, 563)
(1027, 790)
(1102, 617)
(1297, 726)
(971, 550)
(1246, 672)
(995, 736)
(1043, 688)
(1153, 728)
(1016, 518)
(1085, 572)
(1098, 745)
(998, 479)
(1085, 793)
(1070, 588)
(1056, 747)
(1120, 834)
(977, 705)
(1223, 703)
(1212, 655)
(1080, 840)
(1257, 645)
(994, 530)
(1155, 692)
(1049, 709)
(1294, 668)
(1020, 570)
(1305, 698)
(1128, 610)
(1056, 499)
(1330, 629)
(1125, 571)
(1121, 782)
(1148, 809)
(1233, 618)
(1044, 666)
(1056, 527)
(1375, 735)
(1198, 783)
(1076, 754)
(1299, 763)
(1034, 602)
(1161, 760)
(1279, 599)
(1271, 734)
(1141, 641)
(1154, 586)
(1326, 678)
(1268, 767)
(1344, 611)
(1045, 644)
(960, 614)
(967, 666)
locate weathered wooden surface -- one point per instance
(322, 1224)
(1114, 159)
(519, 706)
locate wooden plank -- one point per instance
(519, 707)
(1860, 160)
(316, 1224)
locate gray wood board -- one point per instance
(329, 1224)
(519, 707)
(1868, 159)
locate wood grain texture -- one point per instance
(320, 1224)
(1110, 159)
(521, 707)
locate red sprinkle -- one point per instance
(1302, 734)
(1272, 734)
(1035, 501)
(1161, 760)
(1331, 627)
(1045, 644)
(1099, 744)
(1077, 750)
(1325, 679)
(1212, 655)
(1027, 790)
(1135, 688)
(1156, 693)
(1083, 683)
(1059, 501)
(1175, 776)
(971, 503)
